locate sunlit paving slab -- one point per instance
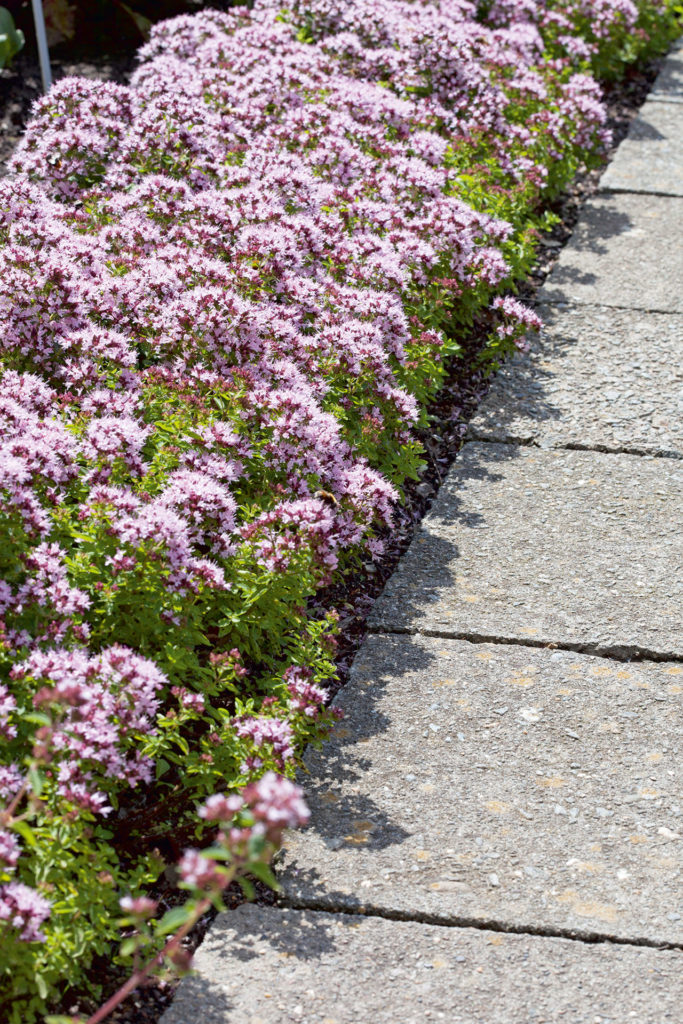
(547, 546)
(651, 158)
(626, 251)
(533, 788)
(669, 84)
(263, 965)
(605, 378)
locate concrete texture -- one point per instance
(626, 251)
(651, 158)
(536, 789)
(605, 379)
(270, 966)
(669, 84)
(566, 547)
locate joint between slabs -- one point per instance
(478, 924)
(575, 446)
(621, 653)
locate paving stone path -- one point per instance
(497, 823)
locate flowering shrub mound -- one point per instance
(228, 292)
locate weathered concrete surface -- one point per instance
(669, 84)
(595, 378)
(270, 966)
(651, 158)
(533, 788)
(564, 547)
(626, 251)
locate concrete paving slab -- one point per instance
(626, 251)
(576, 548)
(606, 379)
(262, 965)
(669, 84)
(650, 159)
(536, 789)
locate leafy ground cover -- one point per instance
(229, 292)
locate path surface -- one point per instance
(497, 823)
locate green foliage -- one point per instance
(11, 38)
(265, 615)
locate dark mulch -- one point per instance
(449, 414)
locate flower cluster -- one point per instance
(101, 706)
(262, 811)
(482, 80)
(23, 910)
(228, 291)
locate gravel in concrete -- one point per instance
(669, 84)
(568, 547)
(606, 379)
(533, 788)
(650, 160)
(269, 966)
(626, 251)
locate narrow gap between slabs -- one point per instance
(562, 303)
(576, 446)
(615, 190)
(622, 653)
(479, 924)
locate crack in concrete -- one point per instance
(480, 924)
(615, 190)
(616, 652)
(573, 446)
(547, 300)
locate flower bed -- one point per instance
(228, 293)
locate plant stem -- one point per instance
(8, 813)
(139, 976)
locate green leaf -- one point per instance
(35, 781)
(11, 38)
(173, 920)
(264, 873)
(25, 832)
(129, 946)
(36, 718)
(217, 901)
(217, 853)
(247, 888)
(142, 23)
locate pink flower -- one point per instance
(189, 700)
(11, 781)
(196, 870)
(104, 701)
(139, 906)
(9, 848)
(272, 732)
(305, 696)
(7, 705)
(277, 802)
(23, 909)
(220, 808)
